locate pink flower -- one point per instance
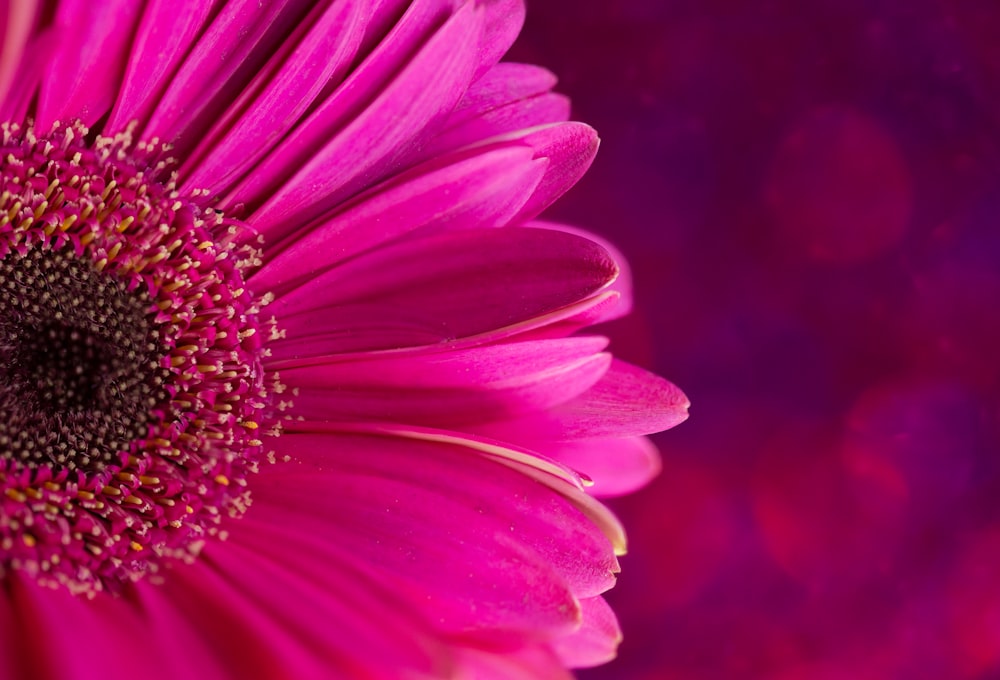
(234, 221)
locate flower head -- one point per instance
(290, 378)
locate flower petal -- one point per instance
(536, 661)
(335, 620)
(11, 665)
(570, 148)
(278, 95)
(616, 465)
(596, 641)
(504, 19)
(504, 83)
(88, 62)
(17, 18)
(51, 619)
(626, 402)
(447, 389)
(236, 44)
(161, 41)
(311, 171)
(622, 284)
(508, 98)
(517, 115)
(482, 189)
(481, 280)
(493, 549)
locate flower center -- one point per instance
(131, 388)
(79, 366)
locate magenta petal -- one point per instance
(518, 115)
(238, 41)
(616, 466)
(501, 85)
(278, 96)
(12, 667)
(546, 472)
(306, 335)
(260, 620)
(448, 389)
(488, 545)
(56, 619)
(16, 18)
(570, 148)
(88, 60)
(482, 189)
(481, 280)
(388, 56)
(623, 284)
(507, 99)
(374, 141)
(596, 641)
(186, 652)
(627, 401)
(345, 623)
(504, 19)
(21, 94)
(485, 367)
(537, 661)
(162, 39)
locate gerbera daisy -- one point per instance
(291, 385)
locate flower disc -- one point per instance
(130, 361)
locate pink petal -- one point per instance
(596, 641)
(50, 619)
(547, 472)
(570, 148)
(598, 513)
(162, 39)
(504, 83)
(484, 546)
(448, 389)
(616, 466)
(557, 475)
(483, 189)
(17, 18)
(336, 620)
(518, 115)
(12, 667)
(623, 284)
(237, 43)
(556, 324)
(88, 61)
(21, 94)
(481, 280)
(308, 335)
(374, 138)
(504, 19)
(627, 401)
(508, 98)
(602, 308)
(187, 653)
(536, 661)
(278, 96)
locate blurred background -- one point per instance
(808, 192)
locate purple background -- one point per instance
(809, 194)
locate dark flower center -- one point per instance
(132, 395)
(79, 362)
